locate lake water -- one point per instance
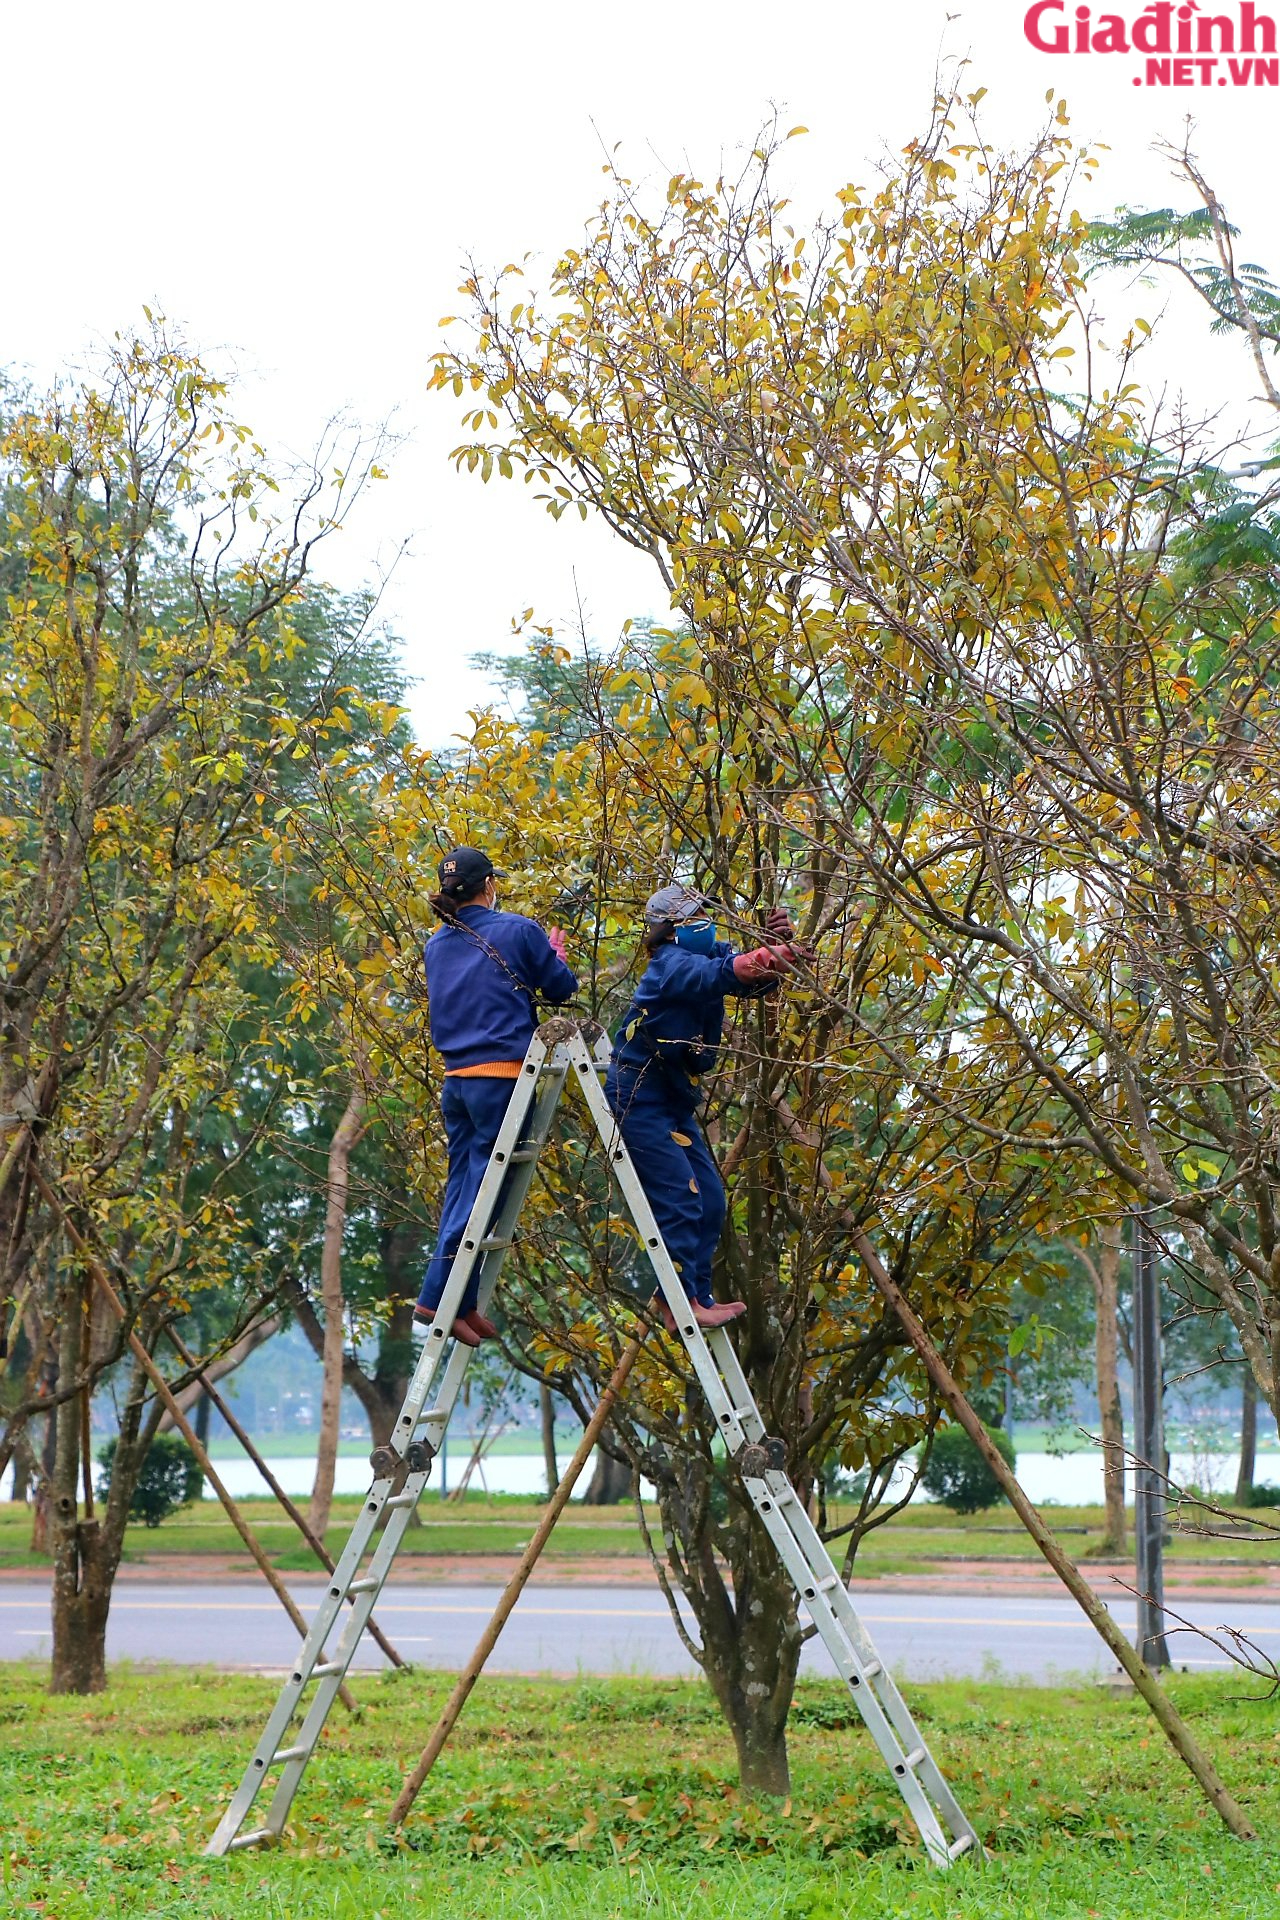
(1068, 1480)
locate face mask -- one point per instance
(696, 936)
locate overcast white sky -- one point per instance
(297, 185)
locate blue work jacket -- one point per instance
(670, 1034)
(482, 979)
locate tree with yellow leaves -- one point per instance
(814, 436)
(150, 565)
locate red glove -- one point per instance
(555, 940)
(762, 963)
(778, 921)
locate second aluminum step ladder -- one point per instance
(560, 1047)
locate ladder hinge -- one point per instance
(556, 1031)
(417, 1457)
(755, 1458)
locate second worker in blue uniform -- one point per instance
(665, 1043)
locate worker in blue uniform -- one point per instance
(665, 1043)
(485, 970)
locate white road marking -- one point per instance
(525, 1611)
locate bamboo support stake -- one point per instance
(298, 1518)
(180, 1421)
(1170, 1721)
(1166, 1715)
(515, 1586)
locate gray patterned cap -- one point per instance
(673, 903)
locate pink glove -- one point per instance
(762, 963)
(555, 940)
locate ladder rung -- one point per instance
(250, 1839)
(289, 1753)
(401, 1500)
(872, 1668)
(962, 1845)
(522, 1154)
(325, 1668)
(832, 1580)
(487, 1246)
(909, 1761)
(369, 1585)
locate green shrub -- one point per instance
(1264, 1495)
(168, 1480)
(958, 1475)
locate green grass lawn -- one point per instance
(922, 1540)
(617, 1798)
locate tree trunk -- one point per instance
(549, 1439)
(81, 1593)
(82, 1575)
(750, 1632)
(44, 1479)
(610, 1482)
(25, 1471)
(1106, 1285)
(347, 1133)
(40, 1519)
(381, 1399)
(400, 1255)
(754, 1679)
(1248, 1440)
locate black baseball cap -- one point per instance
(465, 869)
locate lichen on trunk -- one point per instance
(720, 1558)
(751, 1648)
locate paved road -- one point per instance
(606, 1630)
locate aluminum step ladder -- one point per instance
(562, 1046)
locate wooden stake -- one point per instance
(180, 1421)
(298, 1518)
(1170, 1721)
(515, 1586)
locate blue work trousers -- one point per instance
(474, 1108)
(678, 1174)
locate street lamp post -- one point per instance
(1148, 1421)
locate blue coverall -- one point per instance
(665, 1042)
(482, 976)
